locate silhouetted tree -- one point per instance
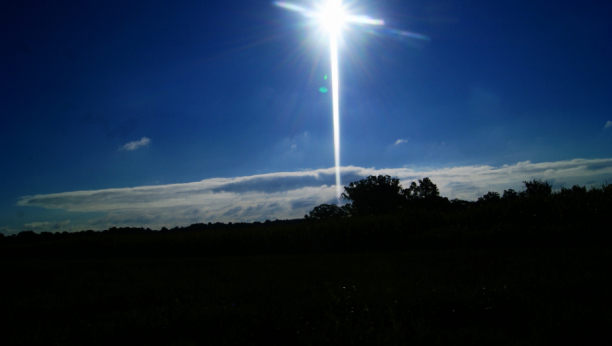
(490, 197)
(425, 190)
(26, 234)
(459, 204)
(348, 209)
(537, 188)
(510, 195)
(375, 195)
(574, 191)
(325, 211)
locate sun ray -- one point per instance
(336, 108)
(332, 16)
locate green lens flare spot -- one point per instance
(323, 89)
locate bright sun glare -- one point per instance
(333, 16)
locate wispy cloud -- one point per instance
(144, 141)
(608, 124)
(7, 230)
(287, 195)
(47, 226)
(400, 141)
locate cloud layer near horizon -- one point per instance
(288, 195)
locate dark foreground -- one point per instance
(501, 296)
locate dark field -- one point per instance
(529, 271)
(506, 296)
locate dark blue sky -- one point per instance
(218, 89)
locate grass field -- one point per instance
(533, 270)
(511, 296)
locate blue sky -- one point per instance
(155, 113)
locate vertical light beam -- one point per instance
(332, 16)
(333, 37)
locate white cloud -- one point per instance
(400, 141)
(287, 195)
(608, 124)
(144, 141)
(7, 231)
(47, 226)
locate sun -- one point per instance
(332, 16)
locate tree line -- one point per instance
(383, 194)
(420, 205)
